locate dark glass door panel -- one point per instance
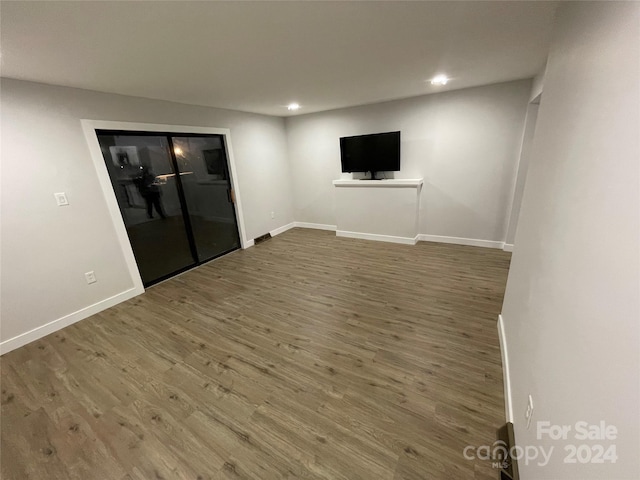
(144, 181)
(204, 175)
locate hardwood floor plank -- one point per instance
(308, 356)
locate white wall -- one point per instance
(571, 311)
(537, 86)
(464, 143)
(46, 249)
(521, 176)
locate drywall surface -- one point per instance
(537, 85)
(464, 143)
(571, 311)
(521, 177)
(47, 249)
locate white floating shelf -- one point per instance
(385, 210)
(386, 183)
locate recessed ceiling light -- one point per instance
(293, 106)
(439, 80)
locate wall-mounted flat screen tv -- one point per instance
(378, 152)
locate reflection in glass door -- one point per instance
(208, 193)
(175, 197)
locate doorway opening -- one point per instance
(175, 196)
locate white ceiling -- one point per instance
(259, 56)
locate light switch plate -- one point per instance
(61, 199)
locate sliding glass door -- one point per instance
(207, 193)
(175, 196)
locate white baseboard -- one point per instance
(247, 244)
(460, 241)
(379, 238)
(508, 247)
(317, 226)
(60, 323)
(508, 403)
(282, 229)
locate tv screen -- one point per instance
(378, 152)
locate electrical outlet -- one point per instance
(273, 214)
(529, 413)
(91, 277)
(61, 199)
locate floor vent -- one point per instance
(262, 238)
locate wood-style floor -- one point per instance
(307, 356)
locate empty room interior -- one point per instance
(377, 240)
